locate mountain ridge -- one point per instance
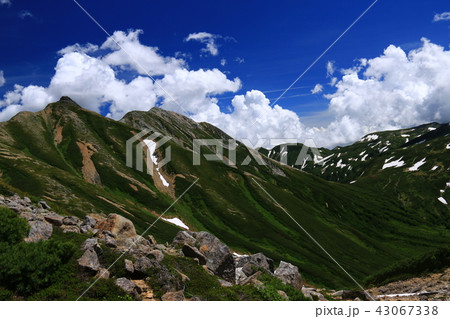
(44, 155)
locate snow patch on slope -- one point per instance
(416, 166)
(396, 163)
(176, 221)
(151, 148)
(371, 137)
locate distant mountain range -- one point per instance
(372, 204)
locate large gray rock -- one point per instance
(157, 254)
(39, 230)
(54, 219)
(70, 229)
(143, 263)
(183, 238)
(88, 224)
(173, 296)
(129, 266)
(289, 275)
(110, 242)
(193, 252)
(43, 204)
(218, 256)
(128, 286)
(89, 261)
(71, 221)
(256, 260)
(92, 243)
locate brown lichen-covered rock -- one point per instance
(173, 296)
(119, 226)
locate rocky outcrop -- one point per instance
(289, 274)
(149, 267)
(218, 256)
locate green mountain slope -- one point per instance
(76, 160)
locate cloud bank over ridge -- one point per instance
(394, 90)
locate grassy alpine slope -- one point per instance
(75, 159)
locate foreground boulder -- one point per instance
(128, 286)
(119, 226)
(193, 252)
(218, 256)
(89, 261)
(173, 296)
(39, 230)
(184, 238)
(289, 274)
(258, 260)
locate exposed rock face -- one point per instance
(157, 254)
(218, 256)
(42, 204)
(110, 241)
(39, 230)
(88, 224)
(89, 261)
(184, 237)
(312, 294)
(128, 286)
(54, 219)
(173, 296)
(256, 260)
(289, 274)
(70, 228)
(92, 244)
(193, 252)
(119, 226)
(129, 266)
(103, 273)
(143, 263)
(71, 221)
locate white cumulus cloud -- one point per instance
(206, 38)
(394, 90)
(128, 52)
(317, 89)
(441, 16)
(7, 2)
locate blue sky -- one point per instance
(275, 41)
